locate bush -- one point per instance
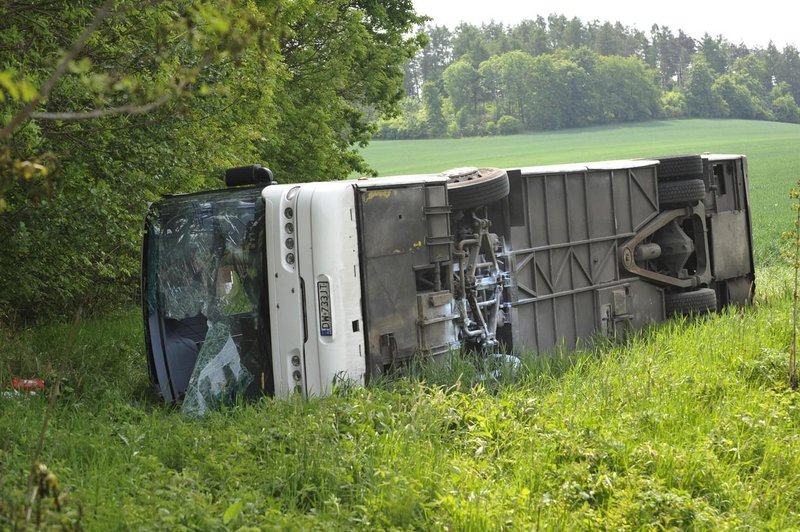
(673, 104)
(508, 125)
(785, 109)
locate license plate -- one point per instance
(324, 299)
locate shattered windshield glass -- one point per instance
(204, 295)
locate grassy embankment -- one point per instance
(689, 424)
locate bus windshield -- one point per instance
(205, 298)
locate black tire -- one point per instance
(683, 167)
(472, 188)
(681, 193)
(695, 302)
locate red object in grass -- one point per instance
(27, 385)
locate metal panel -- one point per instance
(729, 245)
(628, 306)
(405, 250)
(391, 303)
(437, 217)
(567, 248)
(739, 291)
(554, 321)
(395, 222)
(646, 303)
(436, 328)
(727, 189)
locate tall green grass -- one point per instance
(688, 424)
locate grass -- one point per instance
(758, 140)
(689, 424)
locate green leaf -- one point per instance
(233, 511)
(80, 66)
(28, 91)
(7, 82)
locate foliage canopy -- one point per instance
(106, 105)
(556, 73)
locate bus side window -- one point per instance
(719, 178)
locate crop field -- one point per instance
(773, 152)
(689, 424)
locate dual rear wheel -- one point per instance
(680, 181)
(680, 184)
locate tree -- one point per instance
(131, 100)
(437, 54)
(742, 102)
(140, 97)
(672, 55)
(784, 105)
(509, 78)
(490, 77)
(754, 67)
(666, 54)
(574, 33)
(790, 70)
(610, 40)
(345, 61)
(556, 83)
(432, 100)
(462, 83)
(531, 36)
(773, 60)
(411, 123)
(580, 91)
(575, 89)
(686, 48)
(469, 42)
(627, 89)
(673, 104)
(495, 38)
(557, 26)
(701, 98)
(715, 50)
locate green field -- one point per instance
(773, 151)
(689, 425)
(762, 141)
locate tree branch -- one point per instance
(102, 13)
(100, 113)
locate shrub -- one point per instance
(786, 109)
(673, 104)
(508, 125)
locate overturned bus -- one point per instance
(276, 289)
